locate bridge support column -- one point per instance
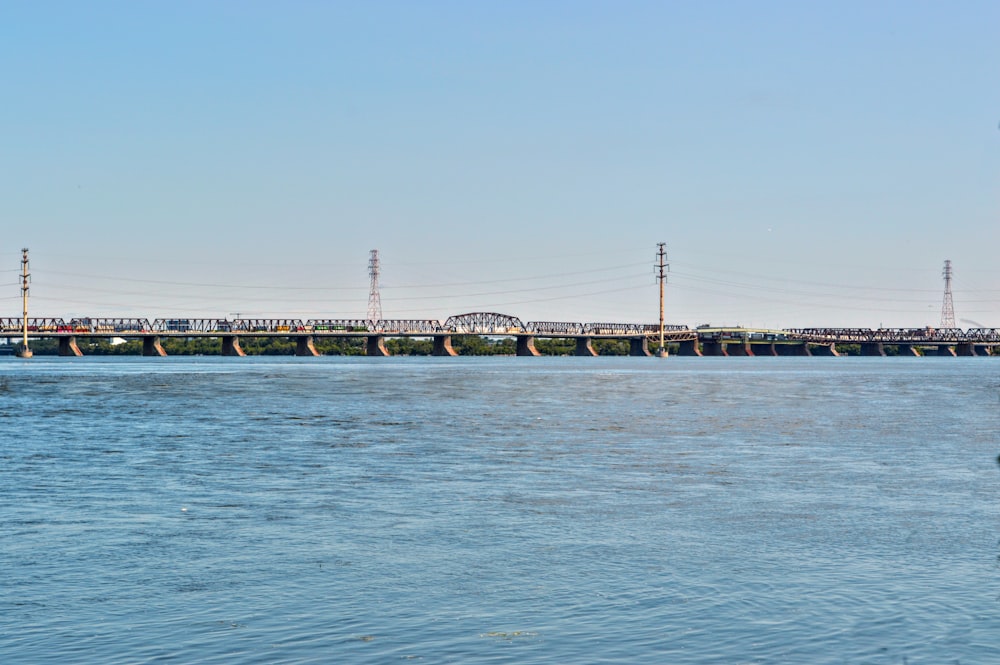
(872, 349)
(442, 346)
(713, 348)
(689, 347)
(965, 349)
(375, 346)
(304, 346)
(739, 349)
(907, 350)
(584, 347)
(151, 346)
(794, 349)
(526, 346)
(231, 346)
(68, 347)
(828, 350)
(945, 351)
(639, 346)
(765, 350)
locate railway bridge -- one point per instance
(701, 341)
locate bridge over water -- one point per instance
(689, 341)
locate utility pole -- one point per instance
(24, 351)
(947, 306)
(374, 299)
(663, 266)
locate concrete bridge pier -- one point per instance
(944, 350)
(689, 347)
(305, 346)
(907, 350)
(526, 346)
(442, 346)
(375, 346)
(713, 348)
(584, 347)
(795, 349)
(231, 346)
(151, 346)
(638, 346)
(828, 350)
(965, 349)
(739, 349)
(872, 349)
(68, 347)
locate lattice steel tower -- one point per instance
(947, 307)
(374, 299)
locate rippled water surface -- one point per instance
(703, 510)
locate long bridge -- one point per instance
(701, 341)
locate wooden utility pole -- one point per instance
(661, 254)
(24, 351)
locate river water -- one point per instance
(523, 510)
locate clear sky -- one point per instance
(807, 164)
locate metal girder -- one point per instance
(484, 323)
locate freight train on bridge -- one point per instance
(700, 341)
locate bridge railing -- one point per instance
(339, 325)
(554, 328)
(408, 326)
(484, 323)
(925, 335)
(14, 324)
(267, 325)
(191, 325)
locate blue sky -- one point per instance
(806, 164)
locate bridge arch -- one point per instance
(484, 323)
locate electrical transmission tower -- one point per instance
(24, 351)
(374, 299)
(947, 307)
(661, 276)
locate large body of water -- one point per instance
(523, 510)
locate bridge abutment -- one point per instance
(375, 346)
(151, 346)
(584, 347)
(68, 347)
(231, 346)
(305, 346)
(442, 346)
(526, 346)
